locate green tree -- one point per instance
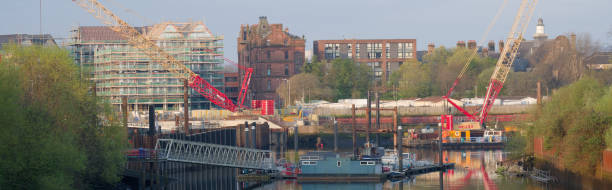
(574, 123)
(349, 80)
(56, 133)
(306, 86)
(412, 79)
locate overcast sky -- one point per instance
(442, 22)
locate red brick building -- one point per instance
(232, 85)
(383, 55)
(273, 53)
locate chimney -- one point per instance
(485, 52)
(460, 44)
(492, 46)
(472, 44)
(430, 48)
(573, 40)
(501, 46)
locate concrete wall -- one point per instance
(509, 109)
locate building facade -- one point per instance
(383, 55)
(27, 39)
(232, 85)
(119, 70)
(274, 54)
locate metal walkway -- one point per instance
(214, 154)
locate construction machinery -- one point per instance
(500, 74)
(155, 53)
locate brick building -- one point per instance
(232, 85)
(383, 55)
(273, 53)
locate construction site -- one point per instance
(118, 69)
(349, 114)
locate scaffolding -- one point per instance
(118, 69)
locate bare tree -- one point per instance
(586, 46)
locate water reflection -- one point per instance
(473, 170)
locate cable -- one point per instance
(475, 51)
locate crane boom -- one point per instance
(504, 63)
(155, 53)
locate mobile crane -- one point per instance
(154, 52)
(502, 68)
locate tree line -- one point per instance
(555, 63)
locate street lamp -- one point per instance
(288, 92)
(246, 137)
(399, 148)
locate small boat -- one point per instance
(395, 175)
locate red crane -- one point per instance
(502, 68)
(169, 63)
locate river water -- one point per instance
(474, 169)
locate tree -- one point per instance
(53, 135)
(349, 80)
(574, 123)
(412, 79)
(306, 86)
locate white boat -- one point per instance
(408, 160)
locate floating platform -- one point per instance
(427, 169)
(456, 145)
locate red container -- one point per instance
(267, 107)
(255, 104)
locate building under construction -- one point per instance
(118, 69)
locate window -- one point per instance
(357, 53)
(338, 164)
(350, 51)
(374, 50)
(286, 69)
(332, 51)
(309, 162)
(269, 71)
(269, 85)
(286, 54)
(244, 35)
(366, 163)
(388, 50)
(405, 50)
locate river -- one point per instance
(474, 169)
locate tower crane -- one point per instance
(155, 53)
(502, 67)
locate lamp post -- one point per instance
(399, 148)
(295, 142)
(288, 92)
(246, 137)
(253, 136)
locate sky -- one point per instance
(442, 22)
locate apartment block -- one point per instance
(383, 55)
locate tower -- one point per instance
(539, 34)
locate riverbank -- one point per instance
(549, 160)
